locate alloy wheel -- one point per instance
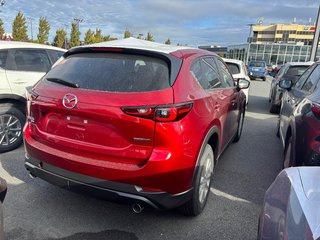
(10, 129)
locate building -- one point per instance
(221, 51)
(274, 54)
(282, 34)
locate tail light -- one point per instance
(315, 108)
(169, 113)
(30, 96)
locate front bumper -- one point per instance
(112, 191)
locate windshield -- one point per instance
(257, 64)
(113, 72)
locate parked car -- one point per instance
(258, 69)
(238, 71)
(291, 71)
(3, 192)
(299, 122)
(21, 65)
(291, 206)
(132, 120)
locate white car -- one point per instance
(21, 65)
(238, 71)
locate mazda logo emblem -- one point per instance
(69, 101)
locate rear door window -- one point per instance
(312, 80)
(296, 70)
(206, 74)
(304, 76)
(55, 55)
(113, 72)
(226, 76)
(34, 60)
(233, 68)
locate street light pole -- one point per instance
(66, 38)
(315, 42)
(31, 19)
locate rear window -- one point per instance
(233, 68)
(257, 64)
(113, 72)
(296, 70)
(3, 58)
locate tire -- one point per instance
(240, 126)
(274, 108)
(264, 79)
(12, 121)
(202, 185)
(288, 160)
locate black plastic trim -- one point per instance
(112, 191)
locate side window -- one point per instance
(30, 60)
(211, 74)
(312, 80)
(304, 76)
(226, 76)
(55, 55)
(3, 58)
(206, 74)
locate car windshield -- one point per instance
(257, 64)
(296, 70)
(113, 72)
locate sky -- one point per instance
(191, 22)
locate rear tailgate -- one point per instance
(94, 124)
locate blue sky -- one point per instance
(192, 22)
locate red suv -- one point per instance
(134, 120)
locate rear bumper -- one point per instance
(257, 74)
(109, 190)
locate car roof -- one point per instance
(134, 43)
(300, 63)
(233, 61)
(14, 44)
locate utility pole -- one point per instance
(66, 38)
(31, 19)
(78, 21)
(315, 42)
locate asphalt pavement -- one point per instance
(37, 210)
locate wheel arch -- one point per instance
(14, 99)
(213, 139)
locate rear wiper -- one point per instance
(63, 82)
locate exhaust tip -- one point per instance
(137, 208)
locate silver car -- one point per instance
(291, 206)
(3, 191)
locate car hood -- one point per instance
(305, 182)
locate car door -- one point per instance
(25, 67)
(4, 84)
(292, 98)
(231, 98)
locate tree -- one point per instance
(168, 42)
(106, 38)
(98, 36)
(1, 29)
(89, 37)
(127, 34)
(60, 38)
(19, 28)
(44, 29)
(149, 37)
(74, 35)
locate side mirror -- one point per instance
(243, 84)
(285, 84)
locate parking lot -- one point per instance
(38, 210)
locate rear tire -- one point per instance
(288, 160)
(12, 121)
(202, 185)
(240, 126)
(264, 79)
(274, 108)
